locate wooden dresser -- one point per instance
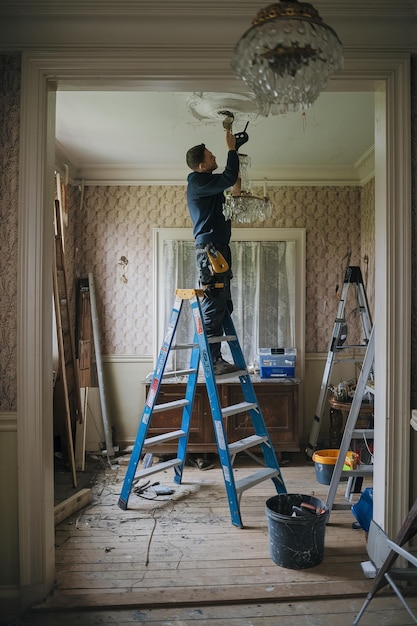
(278, 400)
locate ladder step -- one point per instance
(222, 338)
(168, 406)
(358, 433)
(176, 373)
(154, 469)
(342, 506)
(247, 442)
(235, 409)
(256, 478)
(362, 470)
(153, 441)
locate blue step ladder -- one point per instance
(200, 355)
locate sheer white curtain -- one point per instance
(263, 294)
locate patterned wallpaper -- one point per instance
(116, 222)
(9, 160)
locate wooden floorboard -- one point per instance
(382, 611)
(182, 550)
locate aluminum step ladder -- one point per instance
(353, 276)
(365, 384)
(201, 356)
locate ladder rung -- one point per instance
(225, 377)
(358, 433)
(184, 346)
(242, 407)
(168, 406)
(153, 441)
(222, 338)
(255, 479)
(362, 470)
(176, 373)
(154, 469)
(342, 506)
(247, 442)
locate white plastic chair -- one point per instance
(383, 552)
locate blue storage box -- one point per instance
(277, 362)
(363, 510)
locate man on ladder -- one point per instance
(205, 198)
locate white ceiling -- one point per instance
(137, 136)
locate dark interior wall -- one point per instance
(9, 198)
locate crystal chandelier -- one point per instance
(287, 56)
(244, 207)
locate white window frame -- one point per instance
(297, 235)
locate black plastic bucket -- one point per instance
(296, 525)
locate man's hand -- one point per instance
(230, 140)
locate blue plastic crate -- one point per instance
(277, 362)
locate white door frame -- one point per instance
(42, 71)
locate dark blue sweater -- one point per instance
(205, 198)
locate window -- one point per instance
(267, 288)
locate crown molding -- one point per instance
(292, 175)
(186, 8)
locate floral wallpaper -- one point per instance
(9, 159)
(113, 241)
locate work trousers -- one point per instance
(217, 300)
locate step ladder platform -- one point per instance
(246, 443)
(153, 441)
(254, 479)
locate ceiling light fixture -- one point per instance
(287, 57)
(245, 207)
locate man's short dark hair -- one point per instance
(195, 156)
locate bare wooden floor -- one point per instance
(178, 560)
(383, 611)
(183, 550)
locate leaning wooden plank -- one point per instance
(72, 504)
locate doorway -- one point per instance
(390, 81)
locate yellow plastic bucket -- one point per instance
(325, 460)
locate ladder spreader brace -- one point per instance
(201, 356)
(353, 275)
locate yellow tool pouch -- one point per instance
(218, 263)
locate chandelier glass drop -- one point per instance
(287, 57)
(246, 208)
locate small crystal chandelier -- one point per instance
(245, 207)
(287, 56)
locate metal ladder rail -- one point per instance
(350, 426)
(151, 407)
(353, 275)
(250, 397)
(234, 488)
